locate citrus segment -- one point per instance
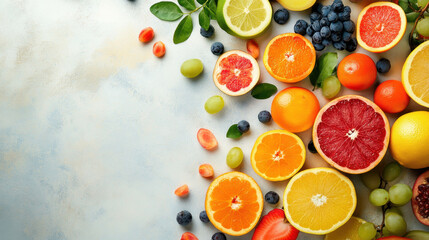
(296, 5)
(319, 200)
(352, 134)
(289, 57)
(234, 203)
(277, 155)
(415, 74)
(381, 26)
(348, 231)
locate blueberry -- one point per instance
(300, 27)
(337, 6)
(310, 31)
(219, 236)
(203, 217)
(326, 10)
(324, 22)
(316, 26)
(332, 16)
(281, 16)
(272, 197)
(317, 7)
(351, 45)
(264, 116)
(344, 16)
(318, 46)
(347, 36)
(349, 26)
(383, 65)
(207, 33)
(336, 37)
(217, 48)
(336, 26)
(326, 42)
(311, 147)
(315, 16)
(317, 38)
(347, 9)
(325, 32)
(340, 45)
(243, 126)
(184, 218)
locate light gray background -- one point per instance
(96, 132)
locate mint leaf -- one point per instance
(188, 4)
(204, 20)
(233, 132)
(264, 91)
(183, 30)
(325, 66)
(167, 11)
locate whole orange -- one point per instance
(391, 97)
(294, 109)
(357, 71)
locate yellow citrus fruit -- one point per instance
(409, 140)
(277, 155)
(319, 200)
(234, 203)
(348, 231)
(296, 5)
(415, 74)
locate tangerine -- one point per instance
(357, 71)
(391, 96)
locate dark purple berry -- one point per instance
(281, 16)
(383, 65)
(272, 197)
(300, 27)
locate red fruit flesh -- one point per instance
(159, 49)
(206, 139)
(236, 72)
(146, 35)
(253, 48)
(188, 236)
(182, 191)
(206, 170)
(393, 238)
(274, 227)
(420, 200)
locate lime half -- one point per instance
(244, 18)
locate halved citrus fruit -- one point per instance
(277, 155)
(234, 203)
(352, 134)
(348, 231)
(289, 57)
(380, 26)
(319, 200)
(244, 19)
(296, 5)
(415, 74)
(236, 73)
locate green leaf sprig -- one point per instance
(170, 11)
(233, 132)
(263, 91)
(325, 67)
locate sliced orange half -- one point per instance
(319, 200)
(289, 57)
(277, 155)
(234, 203)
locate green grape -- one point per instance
(367, 231)
(370, 179)
(423, 27)
(234, 157)
(400, 194)
(331, 86)
(422, 3)
(391, 171)
(191, 68)
(378, 197)
(386, 232)
(395, 224)
(394, 209)
(214, 104)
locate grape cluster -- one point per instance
(329, 25)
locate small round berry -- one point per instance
(344, 16)
(264, 116)
(332, 16)
(315, 16)
(325, 32)
(207, 33)
(203, 217)
(347, 36)
(311, 147)
(219, 236)
(319, 46)
(324, 22)
(317, 38)
(300, 27)
(310, 31)
(281, 16)
(351, 45)
(272, 197)
(243, 126)
(336, 26)
(326, 10)
(184, 218)
(317, 7)
(383, 65)
(347, 9)
(326, 42)
(337, 6)
(336, 37)
(316, 26)
(217, 48)
(349, 26)
(340, 45)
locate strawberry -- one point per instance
(273, 226)
(188, 236)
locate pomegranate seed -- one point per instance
(188, 236)
(182, 191)
(206, 170)
(253, 48)
(159, 49)
(146, 35)
(206, 139)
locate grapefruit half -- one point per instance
(236, 73)
(352, 134)
(380, 26)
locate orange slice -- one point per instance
(289, 57)
(380, 26)
(319, 200)
(348, 231)
(234, 203)
(277, 155)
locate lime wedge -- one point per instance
(244, 18)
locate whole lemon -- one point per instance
(410, 138)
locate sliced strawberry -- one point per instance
(273, 226)
(188, 236)
(206, 139)
(182, 191)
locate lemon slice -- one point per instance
(244, 18)
(415, 74)
(348, 231)
(296, 5)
